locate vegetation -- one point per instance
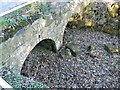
(16, 20)
(18, 81)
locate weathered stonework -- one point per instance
(14, 51)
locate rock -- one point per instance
(78, 53)
(94, 53)
(90, 48)
(65, 54)
(73, 53)
(75, 48)
(91, 51)
(60, 56)
(68, 52)
(107, 49)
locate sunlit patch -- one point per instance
(114, 9)
(43, 22)
(115, 50)
(29, 48)
(71, 19)
(89, 23)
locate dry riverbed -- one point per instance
(82, 62)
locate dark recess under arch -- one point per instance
(48, 44)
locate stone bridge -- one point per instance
(14, 51)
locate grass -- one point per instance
(19, 81)
(16, 20)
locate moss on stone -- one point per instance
(97, 16)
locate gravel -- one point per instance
(19, 82)
(82, 71)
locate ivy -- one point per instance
(14, 18)
(44, 8)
